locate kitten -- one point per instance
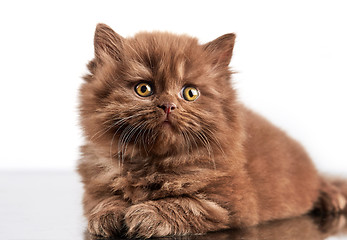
(170, 151)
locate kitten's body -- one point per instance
(212, 164)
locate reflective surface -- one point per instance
(47, 205)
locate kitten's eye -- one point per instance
(190, 93)
(143, 89)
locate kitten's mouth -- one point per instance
(167, 122)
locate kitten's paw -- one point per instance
(331, 200)
(145, 221)
(105, 224)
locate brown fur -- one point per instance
(217, 165)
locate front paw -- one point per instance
(145, 221)
(105, 224)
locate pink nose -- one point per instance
(167, 107)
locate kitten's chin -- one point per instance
(167, 127)
(168, 139)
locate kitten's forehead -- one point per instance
(168, 58)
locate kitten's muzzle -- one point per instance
(168, 107)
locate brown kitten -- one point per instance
(170, 151)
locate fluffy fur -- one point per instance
(214, 165)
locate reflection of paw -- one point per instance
(105, 224)
(331, 224)
(144, 221)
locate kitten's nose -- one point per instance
(167, 107)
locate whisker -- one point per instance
(153, 136)
(111, 145)
(216, 141)
(121, 122)
(130, 135)
(112, 125)
(190, 136)
(187, 142)
(125, 139)
(120, 144)
(137, 137)
(143, 141)
(208, 147)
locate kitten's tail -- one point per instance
(333, 195)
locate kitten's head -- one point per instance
(157, 93)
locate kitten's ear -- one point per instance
(107, 41)
(221, 49)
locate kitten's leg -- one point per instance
(237, 195)
(175, 216)
(105, 215)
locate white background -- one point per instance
(291, 59)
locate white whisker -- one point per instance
(216, 141)
(207, 145)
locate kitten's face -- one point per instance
(156, 93)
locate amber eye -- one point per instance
(143, 89)
(190, 93)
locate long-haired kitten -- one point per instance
(170, 151)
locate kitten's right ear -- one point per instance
(107, 42)
(221, 49)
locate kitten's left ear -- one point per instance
(107, 41)
(221, 49)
